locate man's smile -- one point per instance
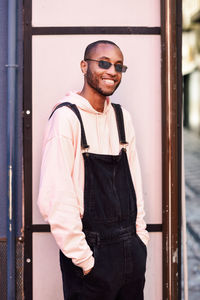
(109, 82)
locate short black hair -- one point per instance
(93, 45)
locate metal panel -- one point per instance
(87, 13)
(50, 65)
(47, 283)
(3, 270)
(62, 60)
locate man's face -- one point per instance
(104, 81)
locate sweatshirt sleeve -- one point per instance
(57, 199)
(137, 180)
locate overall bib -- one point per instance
(109, 223)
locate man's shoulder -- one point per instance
(63, 120)
(62, 108)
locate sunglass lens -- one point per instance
(119, 68)
(104, 64)
(124, 68)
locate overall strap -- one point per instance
(120, 123)
(74, 108)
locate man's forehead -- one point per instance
(108, 51)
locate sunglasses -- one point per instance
(103, 64)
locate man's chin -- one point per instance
(106, 93)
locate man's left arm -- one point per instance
(137, 179)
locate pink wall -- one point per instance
(56, 70)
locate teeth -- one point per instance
(109, 81)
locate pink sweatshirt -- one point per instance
(61, 189)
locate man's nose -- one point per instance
(112, 70)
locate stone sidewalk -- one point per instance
(192, 192)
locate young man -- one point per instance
(90, 187)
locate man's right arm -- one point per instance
(58, 200)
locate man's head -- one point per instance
(102, 67)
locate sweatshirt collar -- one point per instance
(84, 104)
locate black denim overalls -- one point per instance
(109, 223)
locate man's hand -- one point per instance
(87, 272)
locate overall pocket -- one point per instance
(95, 250)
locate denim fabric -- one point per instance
(110, 213)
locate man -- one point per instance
(90, 187)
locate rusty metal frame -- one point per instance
(171, 138)
(171, 13)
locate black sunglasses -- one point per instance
(103, 64)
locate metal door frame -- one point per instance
(171, 24)
(171, 82)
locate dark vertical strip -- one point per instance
(170, 147)
(27, 149)
(3, 116)
(165, 171)
(12, 68)
(179, 127)
(186, 112)
(19, 130)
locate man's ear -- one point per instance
(84, 66)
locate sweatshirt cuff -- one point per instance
(87, 264)
(144, 237)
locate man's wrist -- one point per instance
(87, 271)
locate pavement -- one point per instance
(192, 193)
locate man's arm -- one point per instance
(137, 180)
(58, 200)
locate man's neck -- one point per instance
(95, 99)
